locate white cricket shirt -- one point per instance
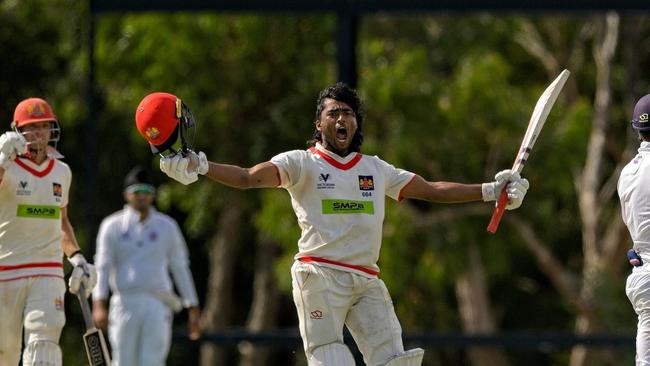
(634, 192)
(31, 198)
(339, 204)
(134, 256)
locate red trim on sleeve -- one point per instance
(329, 261)
(32, 265)
(35, 172)
(399, 196)
(335, 163)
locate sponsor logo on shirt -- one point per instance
(366, 183)
(322, 181)
(38, 211)
(57, 191)
(347, 207)
(22, 189)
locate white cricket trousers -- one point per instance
(139, 330)
(35, 303)
(637, 289)
(327, 298)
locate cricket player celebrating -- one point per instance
(634, 190)
(337, 194)
(34, 233)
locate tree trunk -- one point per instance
(263, 313)
(590, 188)
(476, 312)
(218, 303)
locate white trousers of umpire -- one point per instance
(637, 289)
(139, 330)
(327, 298)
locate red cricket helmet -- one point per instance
(34, 110)
(160, 118)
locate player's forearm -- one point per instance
(441, 192)
(68, 240)
(263, 175)
(229, 175)
(451, 192)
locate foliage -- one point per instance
(447, 96)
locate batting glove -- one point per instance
(203, 164)
(82, 273)
(175, 167)
(12, 144)
(516, 190)
(516, 193)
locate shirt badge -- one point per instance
(57, 191)
(366, 183)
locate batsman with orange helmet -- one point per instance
(35, 232)
(338, 197)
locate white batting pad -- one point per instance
(412, 357)
(333, 354)
(42, 353)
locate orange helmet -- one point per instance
(33, 110)
(160, 117)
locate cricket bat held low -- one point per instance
(93, 338)
(537, 119)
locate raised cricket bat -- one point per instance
(541, 111)
(93, 338)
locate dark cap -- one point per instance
(640, 117)
(137, 176)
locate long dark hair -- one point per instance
(342, 93)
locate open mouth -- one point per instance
(341, 133)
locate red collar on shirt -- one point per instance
(40, 174)
(335, 163)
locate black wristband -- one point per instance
(78, 251)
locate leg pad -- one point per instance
(412, 357)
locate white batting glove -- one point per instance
(203, 166)
(175, 167)
(516, 190)
(12, 144)
(516, 193)
(82, 273)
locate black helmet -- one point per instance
(640, 117)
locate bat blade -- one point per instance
(538, 118)
(94, 342)
(96, 348)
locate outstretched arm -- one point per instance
(186, 169)
(450, 192)
(441, 192)
(263, 175)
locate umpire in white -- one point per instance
(137, 248)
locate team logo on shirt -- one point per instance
(366, 183)
(322, 181)
(153, 236)
(22, 189)
(58, 304)
(57, 191)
